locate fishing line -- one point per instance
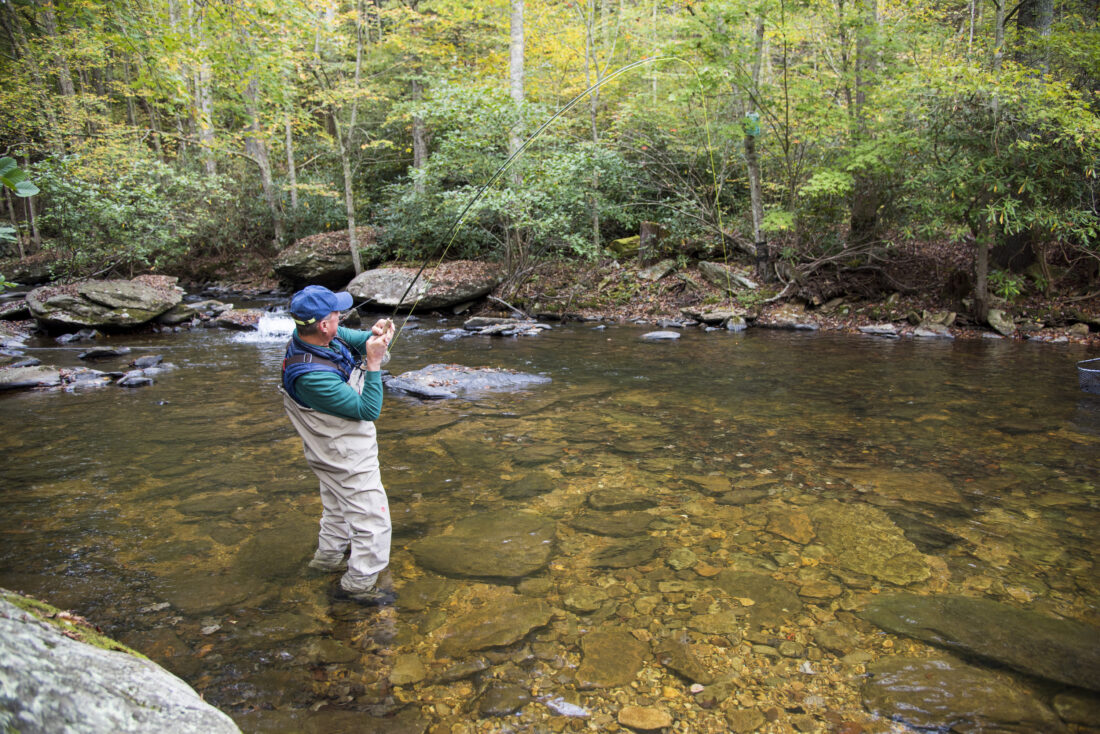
(453, 232)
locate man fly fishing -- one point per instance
(332, 392)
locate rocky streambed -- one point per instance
(756, 531)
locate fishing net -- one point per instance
(1088, 372)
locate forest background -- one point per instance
(819, 140)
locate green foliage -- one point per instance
(1005, 285)
(551, 205)
(15, 179)
(105, 212)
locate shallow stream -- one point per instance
(180, 518)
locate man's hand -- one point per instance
(379, 341)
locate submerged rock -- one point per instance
(442, 381)
(502, 699)
(54, 683)
(612, 524)
(611, 659)
(773, 601)
(504, 617)
(866, 541)
(942, 693)
(1061, 650)
(502, 544)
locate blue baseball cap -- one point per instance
(315, 302)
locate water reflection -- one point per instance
(724, 502)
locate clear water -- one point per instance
(180, 516)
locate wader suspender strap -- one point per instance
(303, 358)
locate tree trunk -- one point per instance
(981, 275)
(1033, 17)
(515, 78)
(64, 76)
(291, 169)
(863, 224)
(752, 163)
(345, 144)
(15, 224)
(256, 148)
(205, 99)
(54, 137)
(998, 34)
(419, 140)
(36, 239)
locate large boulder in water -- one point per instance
(104, 303)
(1062, 650)
(51, 680)
(942, 693)
(501, 544)
(325, 258)
(448, 285)
(441, 381)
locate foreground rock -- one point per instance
(451, 284)
(865, 540)
(52, 682)
(501, 544)
(441, 381)
(1061, 650)
(943, 693)
(104, 303)
(325, 258)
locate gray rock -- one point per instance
(887, 330)
(866, 541)
(325, 258)
(83, 335)
(103, 352)
(678, 657)
(1061, 650)
(656, 336)
(502, 699)
(681, 558)
(147, 360)
(502, 544)
(774, 600)
(443, 288)
(933, 331)
(657, 271)
(239, 319)
(942, 693)
(324, 650)
(611, 658)
(627, 554)
(620, 499)
(109, 303)
(1001, 322)
(612, 524)
(135, 378)
(408, 668)
(51, 683)
(22, 378)
(442, 381)
(725, 278)
(584, 599)
(506, 619)
(1077, 708)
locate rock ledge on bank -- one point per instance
(50, 682)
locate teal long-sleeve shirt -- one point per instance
(326, 392)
